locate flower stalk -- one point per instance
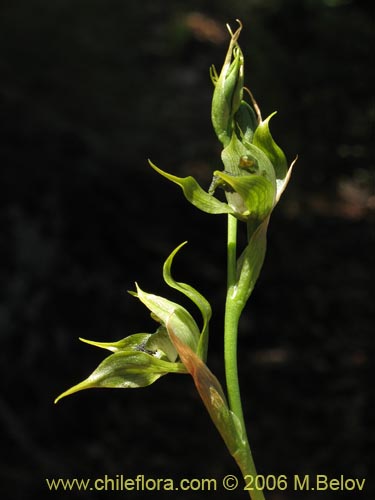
(233, 309)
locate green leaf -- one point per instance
(250, 263)
(163, 309)
(264, 141)
(195, 194)
(126, 370)
(198, 299)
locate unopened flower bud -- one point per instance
(228, 91)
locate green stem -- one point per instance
(231, 323)
(233, 309)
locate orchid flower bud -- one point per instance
(228, 91)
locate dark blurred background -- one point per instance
(88, 91)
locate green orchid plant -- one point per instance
(254, 176)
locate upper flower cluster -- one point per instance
(255, 168)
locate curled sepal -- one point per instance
(184, 325)
(195, 194)
(255, 196)
(198, 299)
(264, 141)
(212, 395)
(126, 369)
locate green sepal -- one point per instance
(246, 121)
(233, 155)
(257, 195)
(126, 370)
(157, 343)
(195, 194)
(163, 309)
(197, 298)
(132, 342)
(264, 141)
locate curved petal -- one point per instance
(198, 299)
